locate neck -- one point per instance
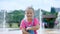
(29, 20)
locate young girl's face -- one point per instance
(29, 13)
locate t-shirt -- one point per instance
(23, 25)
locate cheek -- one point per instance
(29, 14)
(32, 15)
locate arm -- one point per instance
(22, 26)
(24, 31)
(34, 27)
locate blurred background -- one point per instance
(12, 12)
(13, 18)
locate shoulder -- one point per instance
(35, 19)
(22, 21)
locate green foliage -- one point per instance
(15, 16)
(49, 17)
(49, 20)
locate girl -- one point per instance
(29, 21)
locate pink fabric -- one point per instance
(23, 25)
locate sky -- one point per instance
(23, 4)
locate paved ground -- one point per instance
(43, 31)
(6, 31)
(51, 31)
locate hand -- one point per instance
(26, 33)
(28, 28)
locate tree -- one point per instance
(15, 16)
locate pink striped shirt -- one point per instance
(23, 25)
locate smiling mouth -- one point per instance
(29, 16)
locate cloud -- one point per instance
(18, 4)
(22, 4)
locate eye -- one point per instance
(30, 13)
(27, 12)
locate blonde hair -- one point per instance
(30, 8)
(25, 12)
